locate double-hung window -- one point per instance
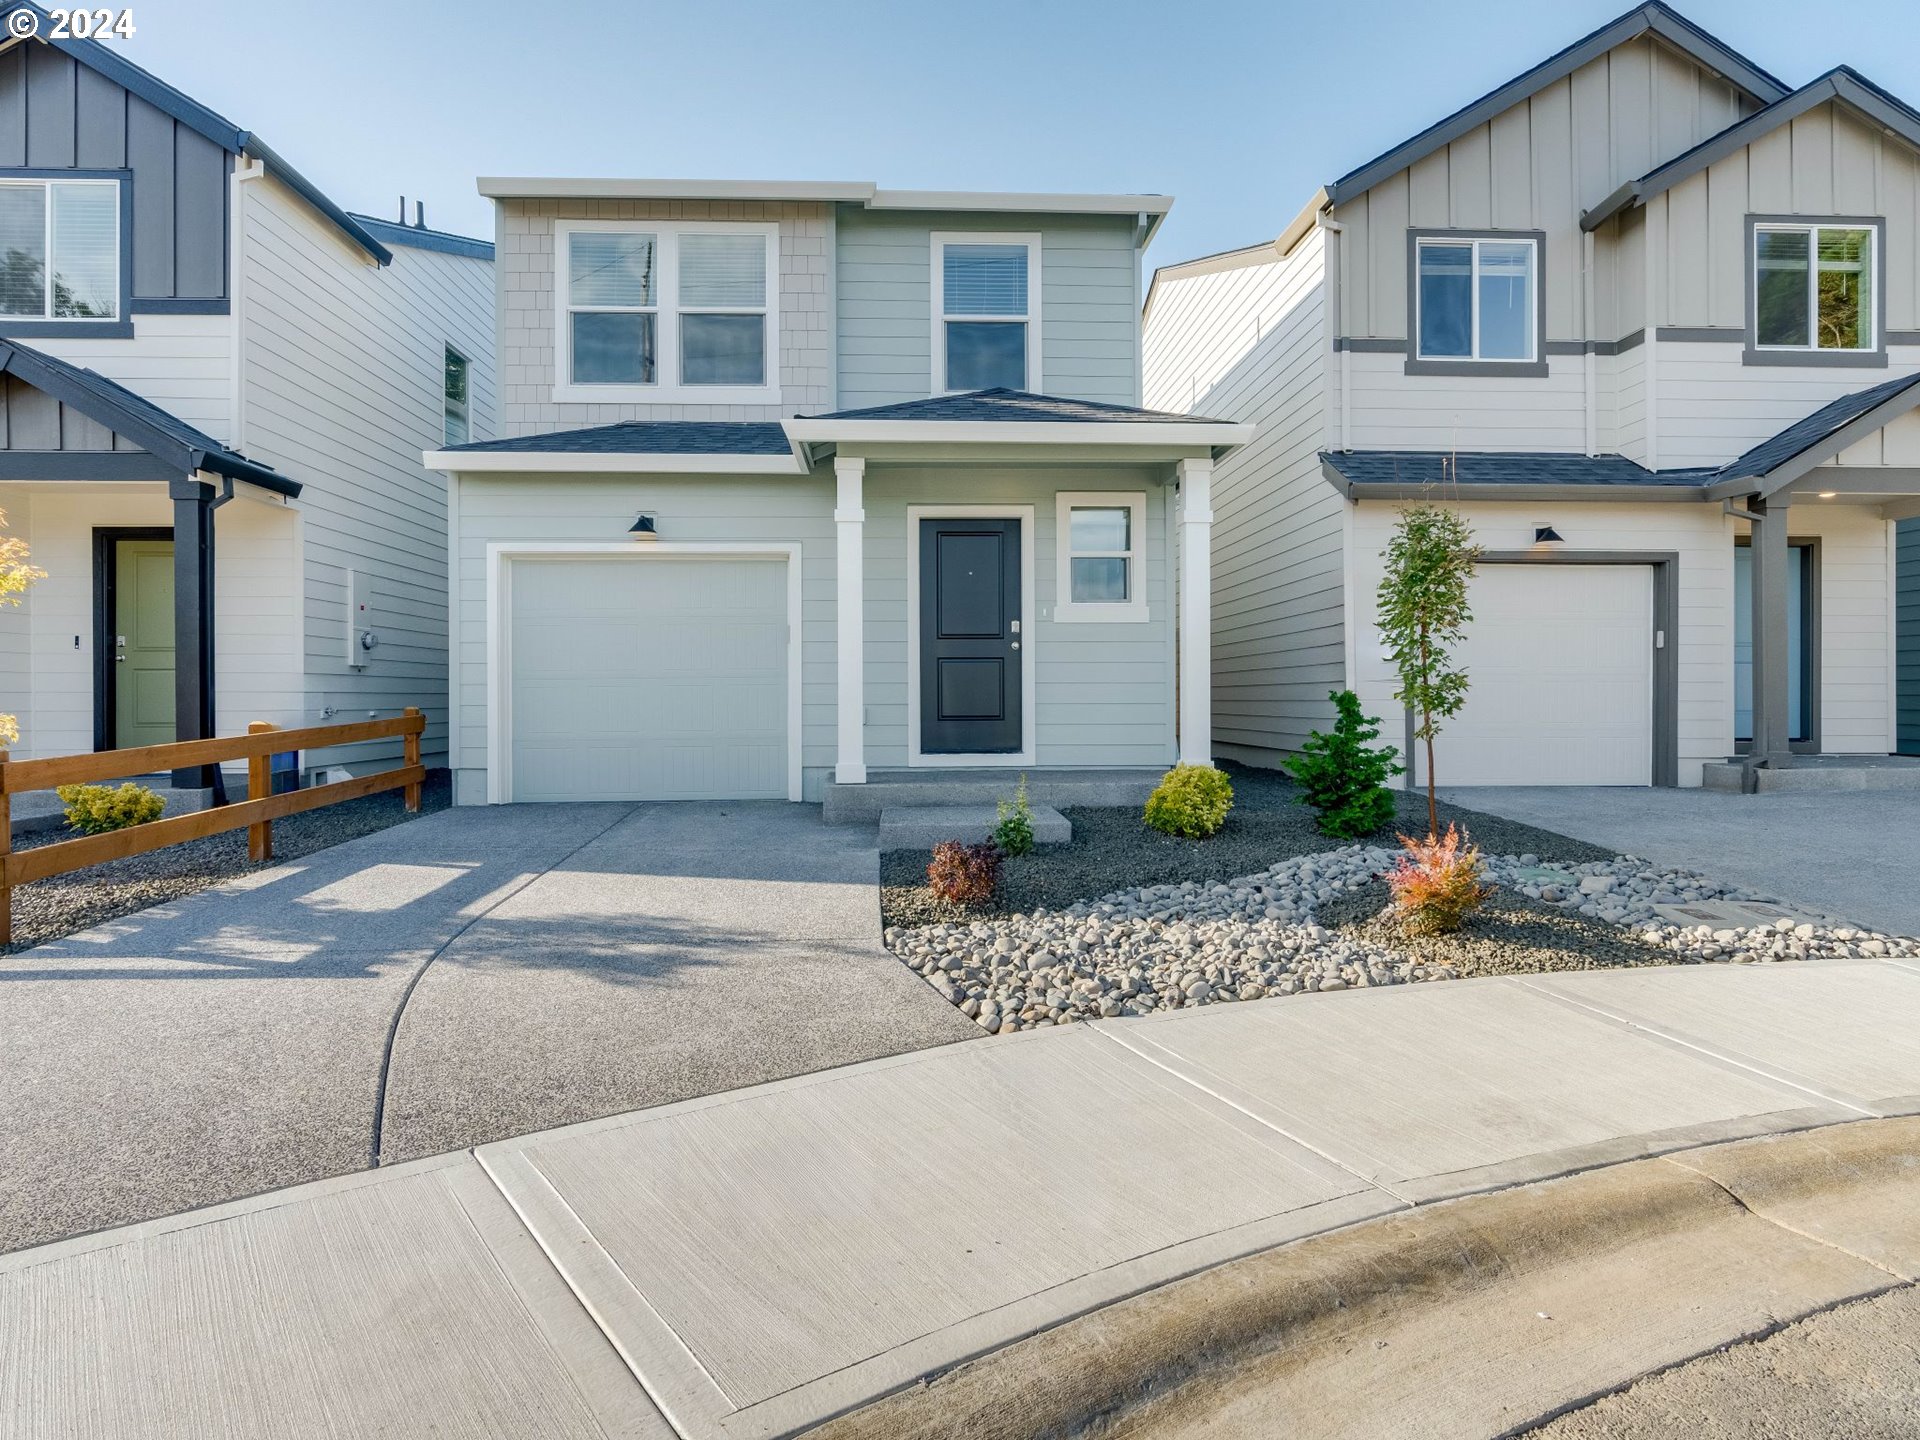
(986, 307)
(1100, 555)
(1815, 289)
(666, 311)
(455, 405)
(60, 249)
(1476, 300)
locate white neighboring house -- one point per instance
(827, 492)
(216, 387)
(1650, 319)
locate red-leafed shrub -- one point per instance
(1437, 883)
(964, 874)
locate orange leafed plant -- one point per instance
(1437, 883)
(964, 874)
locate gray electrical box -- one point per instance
(362, 636)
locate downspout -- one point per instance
(243, 171)
(1650, 372)
(1335, 277)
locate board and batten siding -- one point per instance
(1249, 342)
(57, 114)
(529, 357)
(1089, 303)
(343, 368)
(1909, 633)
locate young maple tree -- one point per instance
(16, 574)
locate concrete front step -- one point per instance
(921, 827)
(1821, 772)
(1062, 789)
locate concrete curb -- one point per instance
(1478, 1316)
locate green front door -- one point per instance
(143, 643)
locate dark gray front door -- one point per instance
(970, 637)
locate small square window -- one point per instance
(1101, 556)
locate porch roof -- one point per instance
(1016, 417)
(170, 445)
(1503, 475)
(1787, 456)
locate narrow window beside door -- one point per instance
(1101, 556)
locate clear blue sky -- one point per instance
(1239, 109)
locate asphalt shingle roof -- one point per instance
(1770, 454)
(987, 406)
(1410, 467)
(649, 437)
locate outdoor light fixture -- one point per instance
(1828, 494)
(1547, 535)
(642, 529)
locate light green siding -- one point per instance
(1089, 301)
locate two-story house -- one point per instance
(1650, 319)
(215, 386)
(807, 487)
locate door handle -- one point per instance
(1016, 644)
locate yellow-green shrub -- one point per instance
(96, 809)
(1191, 801)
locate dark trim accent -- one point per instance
(84, 465)
(1511, 369)
(415, 237)
(1903, 337)
(1875, 359)
(1576, 491)
(121, 329)
(121, 325)
(1362, 345)
(1567, 347)
(193, 612)
(178, 305)
(1700, 334)
(1623, 344)
(1675, 29)
(105, 599)
(1812, 660)
(1666, 621)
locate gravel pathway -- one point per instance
(1311, 924)
(48, 909)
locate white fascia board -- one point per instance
(564, 462)
(507, 187)
(1038, 201)
(1019, 432)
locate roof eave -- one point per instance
(600, 462)
(1588, 491)
(1142, 433)
(277, 167)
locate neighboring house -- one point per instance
(1648, 317)
(217, 386)
(959, 563)
(1909, 637)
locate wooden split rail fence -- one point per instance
(255, 814)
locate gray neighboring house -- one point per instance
(810, 488)
(215, 386)
(1909, 637)
(1649, 317)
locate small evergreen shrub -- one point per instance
(964, 874)
(1437, 883)
(1343, 777)
(96, 809)
(1013, 830)
(1191, 801)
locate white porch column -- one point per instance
(850, 704)
(1196, 612)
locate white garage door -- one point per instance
(649, 677)
(1560, 660)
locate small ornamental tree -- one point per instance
(15, 576)
(1344, 778)
(1423, 614)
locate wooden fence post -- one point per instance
(6, 853)
(410, 749)
(259, 785)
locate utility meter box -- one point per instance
(362, 637)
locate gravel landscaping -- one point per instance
(48, 909)
(1313, 923)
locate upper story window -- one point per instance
(1815, 290)
(666, 311)
(1476, 299)
(60, 249)
(459, 431)
(986, 307)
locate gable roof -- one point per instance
(105, 60)
(164, 435)
(1649, 19)
(1779, 460)
(1842, 83)
(1001, 405)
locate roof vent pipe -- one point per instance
(419, 214)
(403, 209)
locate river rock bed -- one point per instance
(1314, 923)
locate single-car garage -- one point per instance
(1561, 662)
(655, 673)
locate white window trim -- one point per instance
(1029, 640)
(1472, 244)
(500, 557)
(46, 316)
(940, 239)
(667, 388)
(1811, 229)
(1132, 611)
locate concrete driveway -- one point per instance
(1847, 854)
(468, 976)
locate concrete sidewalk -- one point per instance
(748, 1264)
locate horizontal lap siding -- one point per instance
(1855, 648)
(534, 509)
(1713, 408)
(344, 388)
(1249, 344)
(1104, 691)
(1089, 298)
(182, 363)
